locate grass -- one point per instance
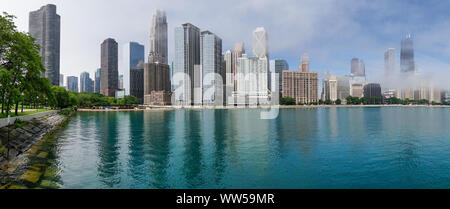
(23, 113)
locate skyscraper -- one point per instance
(137, 82)
(389, 62)
(239, 50)
(358, 67)
(45, 27)
(301, 85)
(330, 87)
(277, 66)
(133, 53)
(157, 86)
(84, 82)
(260, 45)
(109, 67)
(372, 90)
(158, 38)
(407, 64)
(98, 78)
(187, 54)
(252, 81)
(72, 83)
(304, 67)
(229, 77)
(211, 61)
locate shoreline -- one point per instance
(168, 108)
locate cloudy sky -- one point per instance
(332, 32)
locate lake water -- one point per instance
(384, 147)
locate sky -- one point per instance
(331, 32)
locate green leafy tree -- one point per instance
(287, 101)
(338, 102)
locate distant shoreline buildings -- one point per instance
(203, 73)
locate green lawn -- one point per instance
(24, 113)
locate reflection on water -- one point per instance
(390, 147)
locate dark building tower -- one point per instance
(109, 68)
(372, 90)
(407, 64)
(137, 82)
(45, 27)
(157, 86)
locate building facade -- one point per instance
(109, 67)
(133, 54)
(72, 83)
(407, 64)
(358, 67)
(301, 85)
(158, 38)
(157, 86)
(45, 27)
(276, 67)
(372, 90)
(137, 82)
(330, 87)
(61, 80)
(211, 61)
(84, 82)
(252, 81)
(187, 55)
(389, 62)
(98, 78)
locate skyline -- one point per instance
(302, 30)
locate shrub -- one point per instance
(19, 123)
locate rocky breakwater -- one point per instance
(30, 147)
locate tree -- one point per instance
(328, 102)
(19, 56)
(287, 101)
(338, 102)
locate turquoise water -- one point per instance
(387, 147)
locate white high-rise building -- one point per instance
(158, 38)
(211, 61)
(260, 43)
(229, 77)
(330, 87)
(252, 81)
(187, 55)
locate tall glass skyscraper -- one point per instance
(187, 55)
(133, 53)
(276, 67)
(98, 78)
(72, 83)
(158, 38)
(211, 61)
(84, 82)
(407, 64)
(45, 27)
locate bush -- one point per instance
(65, 111)
(287, 101)
(19, 123)
(338, 102)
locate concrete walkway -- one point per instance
(4, 121)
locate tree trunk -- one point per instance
(17, 108)
(22, 108)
